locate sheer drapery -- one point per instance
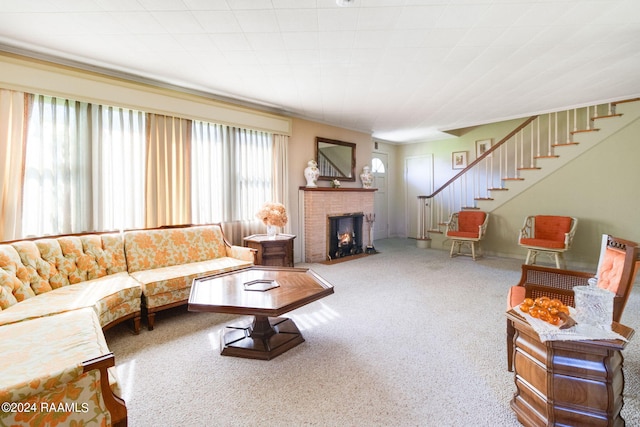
(118, 168)
(231, 177)
(168, 181)
(57, 181)
(12, 126)
(84, 167)
(87, 167)
(210, 183)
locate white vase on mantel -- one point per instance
(311, 173)
(366, 177)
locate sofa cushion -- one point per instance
(71, 338)
(14, 278)
(158, 284)
(112, 250)
(42, 276)
(151, 249)
(113, 292)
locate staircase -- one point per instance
(538, 147)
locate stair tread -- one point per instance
(498, 189)
(547, 157)
(483, 198)
(573, 132)
(513, 179)
(608, 116)
(529, 169)
(564, 144)
(625, 100)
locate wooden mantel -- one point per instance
(317, 204)
(336, 189)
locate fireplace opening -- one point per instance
(345, 235)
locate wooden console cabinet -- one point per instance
(276, 252)
(577, 383)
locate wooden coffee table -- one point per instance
(265, 293)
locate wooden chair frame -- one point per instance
(457, 242)
(557, 255)
(556, 283)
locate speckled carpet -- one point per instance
(411, 337)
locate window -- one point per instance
(88, 167)
(377, 166)
(231, 172)
(84, 167)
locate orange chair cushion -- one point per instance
(549, 231)
(469, 223)
(515, 297)
(611, 268)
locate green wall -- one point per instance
(600, 188)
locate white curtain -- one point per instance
(231, 177)
(118, 168)
(210, 183)
(12, 125)
(84, 168)
(57, 181)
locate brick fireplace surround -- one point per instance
(317, 204)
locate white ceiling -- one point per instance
(404, 70)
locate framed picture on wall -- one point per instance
(459, 159)
(482, 146)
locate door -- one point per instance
(379, 169)
(418, 178)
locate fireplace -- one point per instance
(344, 235)
(316, 205)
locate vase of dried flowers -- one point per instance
(272, 231)
(274, 216)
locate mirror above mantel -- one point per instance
(336, 159)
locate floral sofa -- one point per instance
(165, 262)
(58, 294)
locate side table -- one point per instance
(275, 252)
(567, 382)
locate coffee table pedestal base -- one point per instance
(265, 338)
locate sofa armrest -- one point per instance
(115, 405)
(242, 253)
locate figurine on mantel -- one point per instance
(366, 177)
(311, 173)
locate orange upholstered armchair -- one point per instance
(547, 234)
(617, 268)
(466, 228)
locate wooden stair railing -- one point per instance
(535, 138)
